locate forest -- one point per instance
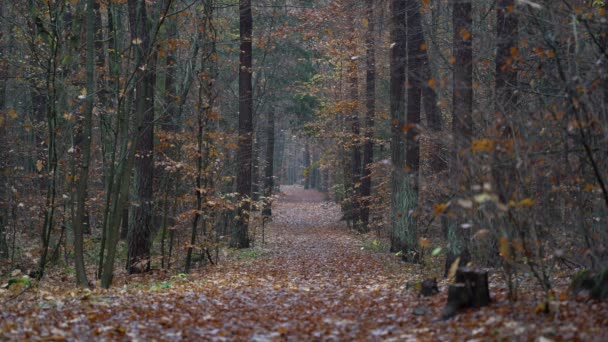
(304, 170)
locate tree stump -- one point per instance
(470, 290)
(429, 287)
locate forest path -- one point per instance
(312, 280)
(315, 281)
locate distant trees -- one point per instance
(142, 117)
(113, 155)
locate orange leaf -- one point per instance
(482, 145)
(408, 127)
(526, 202)
(440, 208)
(465, 34)
(514, 52)
(503, 248)
(12, 113)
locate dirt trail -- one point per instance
(311, 281)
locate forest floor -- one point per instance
(313, 279)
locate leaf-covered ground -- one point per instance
(312, 280)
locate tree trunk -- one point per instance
(429, 96)
(255, 170)
(240, 238)
(139, 237)
(355, 125)
(169, 119)
(505, 96)
(83, 179)
(370, 104)
(397, 111)
(48, 99)
(200, 190)
(4, 155)
(412, 162)
(269, 167)
(462, 122)
(307, 168)
(462, 96)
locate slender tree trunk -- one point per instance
(83, 179)
(427, 84)
(110, 176)
(462, 96)
(316, 177)
(504, 166)
(199, 189)
(506, 97)
(169, 119)
(355, 126)
(370, 104)
(255, 170)
(412, 162)
(4, 155)
(397, 110)
(50, 102)
(269, 167)
(240, 237)
(103, 93)
(307, 168)
(604, 47)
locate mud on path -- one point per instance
(311, 281)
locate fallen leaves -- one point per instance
(313, 281)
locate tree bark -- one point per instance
(412, 162)
(462, 122)
(415, 54)
(83, 179)
(269, 166)
(355, 126)
(370, 112)
(139, 237)
(505, 96)
(240, 238)
(397, 111)
(429, 96)
(169, 119)
(604, 48)
(4, 155)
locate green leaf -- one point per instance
(436, 251)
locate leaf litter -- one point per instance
(315, 283)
